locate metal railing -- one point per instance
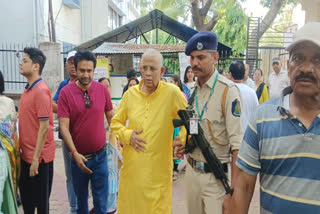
(10, 57)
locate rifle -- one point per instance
(200, 141)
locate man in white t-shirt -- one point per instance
(246, 79)
(249, 100)
(278, 80)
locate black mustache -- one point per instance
(195, 68)
(305, 76)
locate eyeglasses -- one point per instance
(87, 102)
(24, 61)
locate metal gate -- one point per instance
(10, 57)
(272, 40)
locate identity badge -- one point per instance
(193, 126)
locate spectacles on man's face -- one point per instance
(87, 101)
(24, 61)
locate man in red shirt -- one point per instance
(81, 109)
(36, 135)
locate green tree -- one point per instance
(275, 7)
(231, 27)
(173, 8)
(226, 15)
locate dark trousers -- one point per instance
(35, 191)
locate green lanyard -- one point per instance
(205, 105)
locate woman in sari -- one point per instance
(174, 79)
(188, 81)
(260, 86)
(8, 154)
(114, 152)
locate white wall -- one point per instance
(17, 21)
(94, 18)
(67, 22)
(117, 85)
(26, 21)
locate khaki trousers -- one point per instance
(204, 193)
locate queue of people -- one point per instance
(127, 157)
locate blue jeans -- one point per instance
(67, 166)
(99, 183)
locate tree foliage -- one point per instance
(267, 3)
(173, 8)
(275, 8)
(229, 18)
(224, 17)
(231, 26)
(199, 10)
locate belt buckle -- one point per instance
(199, 166)
(88, 156)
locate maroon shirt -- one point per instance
(86, 124)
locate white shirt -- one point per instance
(249, 103)
(190, 85)
(277, 83)
(286, 102)
(6, 107)
(250, 83)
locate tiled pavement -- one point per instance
(59, 201)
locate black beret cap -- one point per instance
(204, 40)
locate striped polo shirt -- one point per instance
(35, 105)
(277, 145)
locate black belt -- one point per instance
(91, 155)
(204, 167)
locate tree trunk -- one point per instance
(199, 15)
(270, 16)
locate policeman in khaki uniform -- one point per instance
(217, 107)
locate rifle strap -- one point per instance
(191, 99)
(223, 108)
(212, 137)
(223, 101)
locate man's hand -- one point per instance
(226, 206)
(80, 160)
(136, 142)
(179, 148)
(34, 168)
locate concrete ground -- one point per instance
(59, 201)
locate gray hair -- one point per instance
(153, 53)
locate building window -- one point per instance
(114, 19)
(136, 62)
(120, 20)
(110, 18)
(136, 4)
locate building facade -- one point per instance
(26, 23)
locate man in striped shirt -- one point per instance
(282, 141)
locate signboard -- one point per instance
(102, 69)
(184, 61)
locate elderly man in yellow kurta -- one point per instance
(146, 175)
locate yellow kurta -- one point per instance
(146, 178)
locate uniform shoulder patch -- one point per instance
(236, 110)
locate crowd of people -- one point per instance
(127, 156)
